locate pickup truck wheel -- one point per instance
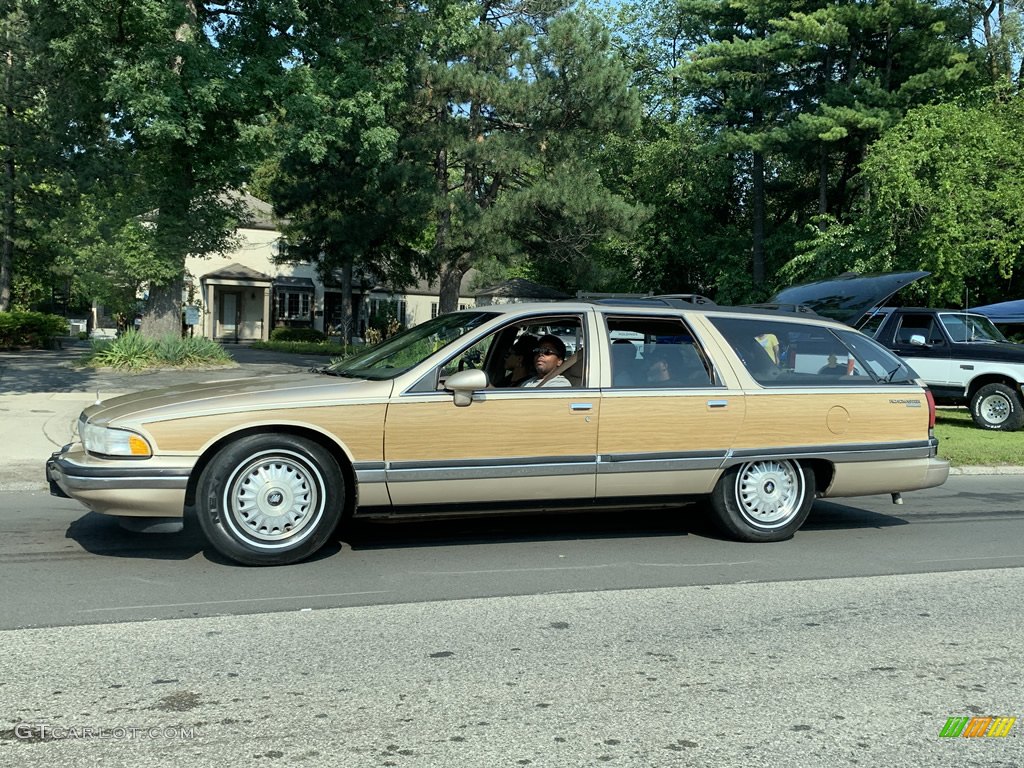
(765, 500)
(270, 499)
(998, 407)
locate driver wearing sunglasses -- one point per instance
(548, 356)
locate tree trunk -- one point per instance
(822, 183)
(7, 227)
(163, 311)
(347, 320)
(162, 317)
(7, 235)
(452, 273)
(757, 225)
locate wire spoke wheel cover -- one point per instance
(763, 500)
(274, 497)
(769, 493)
(270, 499)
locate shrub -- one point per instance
(132, 351)
(297, 334)
(30, 329)
(190, 351)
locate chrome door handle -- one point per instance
(717, 403)
(581, 406)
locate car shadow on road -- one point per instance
(508, 528)
(693, 519)
(103, 535)
(831, 515)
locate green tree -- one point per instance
(999, 26)
(27, 148)
(515, 96)
(352, 195)
(170, 94)
(943, 191)
(798, 91)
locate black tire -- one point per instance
(763, 500)
(997, 407)
(270, 499)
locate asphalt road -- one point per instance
(48, 545)
(642, 640)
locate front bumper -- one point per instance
(150, 488)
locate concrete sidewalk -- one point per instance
(42, 393)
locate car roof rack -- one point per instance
(793, 309)
(665, 300)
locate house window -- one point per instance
(382, 311)
(293, 305)
(433, 310)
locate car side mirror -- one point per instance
(464, 383)
(917, 340)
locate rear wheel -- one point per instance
(270, 499)
(764, 500)
(998, 407)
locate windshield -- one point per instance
(964, 327)
(405, 350)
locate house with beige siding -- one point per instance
(243, 294)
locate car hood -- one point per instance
(850, 297)
(290, 389)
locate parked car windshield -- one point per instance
(398, 354)
(963, 327)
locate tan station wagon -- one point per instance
(651, 403)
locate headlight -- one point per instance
(113, 442)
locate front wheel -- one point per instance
(998, 407)
(764, 500)
(270, 499)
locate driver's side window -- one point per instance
(507, 355)
(474, 357)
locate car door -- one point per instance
(668, 419)
(932, 361)
(510, 448)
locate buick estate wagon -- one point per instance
(661, 400)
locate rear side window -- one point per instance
(781, 354)
(656, 352)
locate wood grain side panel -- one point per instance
(526, 426)
(359, 427)
(812, 418)
(669, 423)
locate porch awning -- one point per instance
(295, 284)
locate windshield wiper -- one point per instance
(893, 372)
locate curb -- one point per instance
(1000, 470)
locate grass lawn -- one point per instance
(964, 444)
